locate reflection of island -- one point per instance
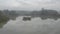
(43, 18)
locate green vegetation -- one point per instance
(5, 15)
(3, 19)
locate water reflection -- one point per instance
(42, 18)
(35, 26)
(49, 17)
(2, 24)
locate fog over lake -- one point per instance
(35, 26)
(29, 16)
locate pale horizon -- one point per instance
(29, 4)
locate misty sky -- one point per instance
(29, 4)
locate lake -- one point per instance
(35, 26)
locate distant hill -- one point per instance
(22, 13)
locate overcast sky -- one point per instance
(29, 4)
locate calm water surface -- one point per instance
(35, 26)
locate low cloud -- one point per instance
(29, 4)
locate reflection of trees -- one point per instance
(43, 18)
(55, 17)
(2, 24)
